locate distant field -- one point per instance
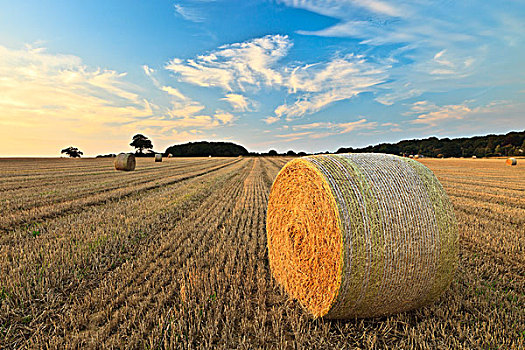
(173, 255)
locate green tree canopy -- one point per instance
(73, 152)
(141, 142)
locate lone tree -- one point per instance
(141, 143)
(73, 152)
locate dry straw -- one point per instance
(360, 235)
(125, 161)
(511, 161)
(158, 157)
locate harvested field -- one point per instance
(173, 255)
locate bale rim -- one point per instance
(125, 162)
(360, 235)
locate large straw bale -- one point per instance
(158, 157)
(125, 161)
(511, 161)
(360, 235)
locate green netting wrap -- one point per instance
(360, 235)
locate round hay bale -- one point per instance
(511, 161)
(474, 157)
(125, 161)
(440, 156)
(158, 157)
(360, 235)
(170, 155)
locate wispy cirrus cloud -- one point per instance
(188, 13)
(183, 112)
(331, 128)
(57, 97)
(240, 103)
(37, 83)
(320, 130)
(235, 67)
(430, 114)
(320, 85)
(431, 46)
(255, 64)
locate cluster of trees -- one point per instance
(510, 144)
(205, 149)
(273, 152)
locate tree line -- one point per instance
(510, 144)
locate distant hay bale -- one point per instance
(440, 156)
(511, 161)
(360, 235)
(158, 157)
(474, 157)
(125, 161)
(411, 156)
(416, 156)
(170, 155)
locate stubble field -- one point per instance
(173, 255)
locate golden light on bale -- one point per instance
(511, 161)
(474, 157)
(360, 235)
(158, 157)
(125, 161)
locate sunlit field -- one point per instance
(173, 255)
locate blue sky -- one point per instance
(308, 75)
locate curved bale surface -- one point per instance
(125, 161)
(511, 161)
(360, 235)
(158, 157)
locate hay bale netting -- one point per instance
(158, 157)
(360, 235)
(125, 161)
(511, 161)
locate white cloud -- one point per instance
(189, 14)
(431, 115)
(337, 8)
(271, 119)
(239, 102)
(336, 128)
(174, 92)
(235, 66)
(35, 83)
(224, 118)
(324, 129)
(49, 101)
(294, 136)
(437, 47)
(320, 85)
